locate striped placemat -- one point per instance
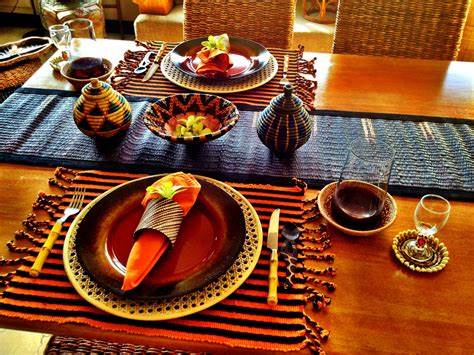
(242, 320)
(301, 74)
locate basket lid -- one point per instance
(287, 101)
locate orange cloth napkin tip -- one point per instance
(166, 203)
(214, 56)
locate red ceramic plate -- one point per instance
(210, 240)
(248, 57)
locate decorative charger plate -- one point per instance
(224, 86)
(210, 239)
(172, 307)
(248, 57)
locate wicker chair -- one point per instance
(430, 29)
(269, 22)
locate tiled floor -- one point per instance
(14, 342)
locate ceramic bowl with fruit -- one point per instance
(191, 118)
(81, 71)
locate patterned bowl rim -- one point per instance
(324, 194)
(202, 138)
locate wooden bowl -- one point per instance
(160, 112)
(80, 83)
(388, 215)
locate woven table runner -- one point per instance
(430, 156)
(301, 74)
(243, 319)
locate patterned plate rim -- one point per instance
(219, 89)
(174, 307)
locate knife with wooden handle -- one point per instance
(155, 63)
(272, 243)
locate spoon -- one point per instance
(291, 233)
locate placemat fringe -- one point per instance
(306, 83)
(34, 231)
(305, 77)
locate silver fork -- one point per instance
(73, 208)
(286, 61)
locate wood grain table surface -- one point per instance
(378, 306)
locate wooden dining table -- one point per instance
(379, 305)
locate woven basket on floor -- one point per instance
(430, 29)
(68, 345)
(269, 22)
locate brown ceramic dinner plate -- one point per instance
(210, 239)
(248, 57)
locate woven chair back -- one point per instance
(429, 29)
(269, 22)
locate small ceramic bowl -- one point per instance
(80, 83)
(388, 215)
(161, 114)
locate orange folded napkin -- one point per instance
(214, 56)
(166, 203)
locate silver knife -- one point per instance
(272, 243)
(155, 64)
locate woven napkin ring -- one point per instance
(164, 216)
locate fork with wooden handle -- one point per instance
(73, 208)
(286, 62)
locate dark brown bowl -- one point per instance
(325, 201)
(210, 240)
(80, 83)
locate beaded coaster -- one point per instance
(253, 81)
(439, 261)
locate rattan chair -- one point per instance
(430, 29)
(269, 22)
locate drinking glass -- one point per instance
(431, 215)
(61, 37)
(81, 28)
(362, 187)
(83, 37)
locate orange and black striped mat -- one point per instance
(301, 74)
(242, 320)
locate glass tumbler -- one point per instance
(61, 37)
(362, 187)
(83, 37)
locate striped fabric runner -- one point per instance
(129, 83)
(244, 319)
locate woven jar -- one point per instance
(284, 125)
(101, 111)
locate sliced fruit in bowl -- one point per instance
(191, 118)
